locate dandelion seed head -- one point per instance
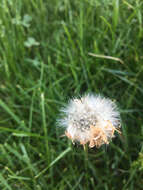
(90, 119)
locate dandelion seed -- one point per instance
(90, 120)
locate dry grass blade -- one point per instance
(106, 57)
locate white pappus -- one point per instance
(91, 119)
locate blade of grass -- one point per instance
(10, 112)
(20, 133)
(54, 161)
(4, 182)
(44, 123)
(106, 57)
(115, 13)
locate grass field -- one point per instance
(45, 61)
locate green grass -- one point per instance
(44, 61)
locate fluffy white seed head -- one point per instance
(91, 119)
